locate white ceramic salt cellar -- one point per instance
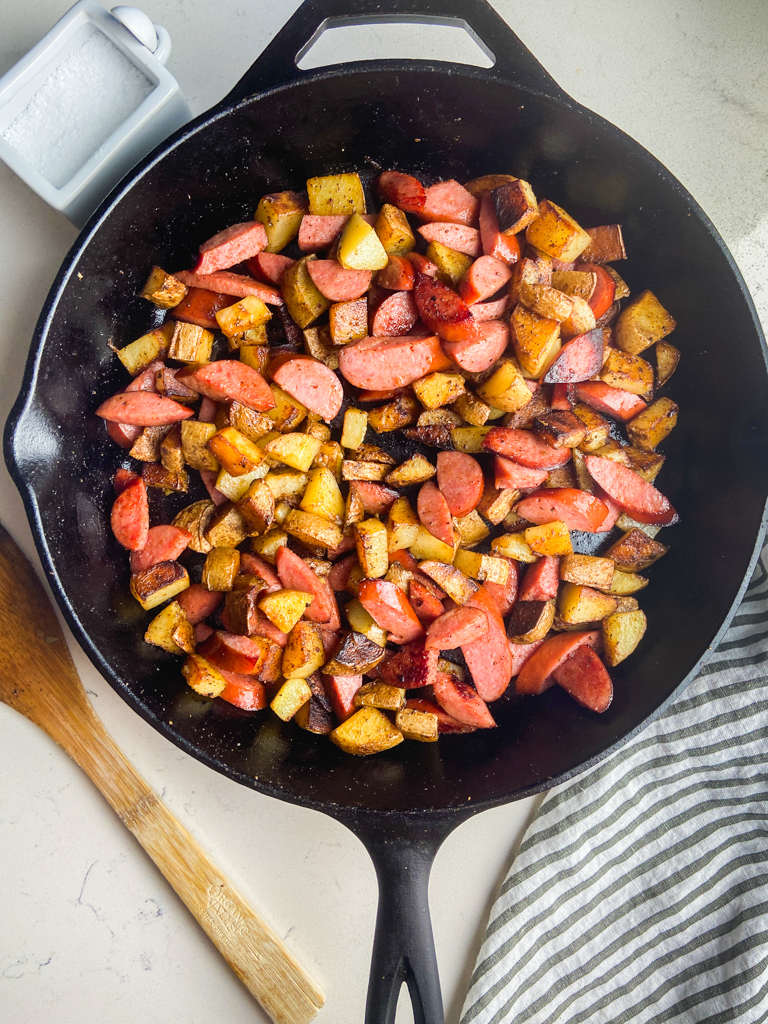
(87, 103)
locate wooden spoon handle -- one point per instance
(248, 944)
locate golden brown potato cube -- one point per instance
(281, 214)
(255, 356)
(556, 233)
(587, 571)
(138, 355)
(194, 440)
(348, 321)
(165, 480)
(622, 632)
(454, 582)
(627, 604)
(268, 545)
(416, 470)
(331, 455)
(529, 271)
(158, 584)
(473, 410)
(292, 695)
(606, 245)
(560, 429)
(578, 283)
(288, 412)
(642, 323)
(626, 523)
(313, 529)
(428, 547)
(469, 439)
(581, 320)
(287, 485)
(170, 450)
(598, 427)
(457, 671)
(221, 567)
(628, 372)
(202, 676)
(172, 631)
(254, 425)
(577, 604)
(314, 717)
(305, 303)
(401, 412)
(667, 358)
(549, 539)
(472, 529)
(536, 342)
(242, 316)
(355, 426)
(627, 583)
(322, 495)
(354, 510)
(190, 343)
(495, 505)
(487, 183)
(368, 731)
(545, 301)
(195, 518)
(402, 525)
(235, 452)
(336, 195)
(257, 507)
(163, 290)
(530, 621)
(357, 655)
(394, 231)
(635, 551)
(646, 463)
(505, 389)
(318, 430)
(652, 425)
(284, 608)
(351, 469)
(226, 527)
(318, 344)
(360, 247)
(438, 389)
(303, 653)
(515, 206)
(380, 695)
(417, 725)
(400, 576)
(371, 544)
(451, 265)
(236, 487)
(253, 338)
(487, 568)
(295, 450)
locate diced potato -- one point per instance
(356, 656)
(288, 412)
(667, 358)
(628, 372)
(560, 429)
(400, 576)
(472, 529)
(529, 271)
(439, 418)
(253, 337)
(598, 427)
(453, 581)
(171, 454)
(402, 525)
(137, 356)
(284, 608)
(304, 652)
(318, 430)
(315, 718)
(416, 470)
(172, 630)
(372, 453)
(575, 282)
(305, 303)
(622, 632)
(624, 583)
(649, 428)
(194, 439)
(361, 622)
(235, 452)
(268, 545)
(254, 425)
(588, 571)
(313, 529)
(226, 528)
(487, 568)
(546, 301)
(531, 621)
(451, 265)
(195, 518)
(577, 604)
(322, 495)
(550, 539)
(360, 247)
(166, 481)
(536, 342)
(295, 450)
(635, 551)
(430, 548)
(221, 567)
(472, 409)
(505, 389)
(581, 320)
(163, 290)
(487, 183)
(355, 426)
(331, 455)
(281, 214)
(292, 695)
(556, 233)
(236, 487)
(242, 316)
(371, 543)
(452, 669)
(401, 412)
(282, 508)
(351, 469)
(642, 323)
(394, 231)
(513, 545)
(417, 725)
(627, 604)
(380, 695)
(190, 343)
(202, 676)
(319, 344)
(354, 510)
(257, 507)
(368, 731)
(469, 439)
(348, 321)
(626, 523)
(336, 195)
(255, 356)
(439, 389)
(495, 505)
(159, 584)
(583, 480)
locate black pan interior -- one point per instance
(438, 124)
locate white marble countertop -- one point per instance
(90, 930)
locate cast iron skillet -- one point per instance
(276, 128)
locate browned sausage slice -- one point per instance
(488, 343)
(272, 266)
(228, 380)
(402, 190)
(434, 513)
(509, 475)
(395, 317)
(450, 201)
(577, 509)
(461, 702)
(489, 659)
(336, 283)
(380, 364)
(312, 383)
(390, 609)
(318, 231)
(536, 675)
(455, 236)
(164, 543)
(295, 574)
(541, 580)
(483, 279)
(230, 246)
(461, 481)
(399, 275)
(586, 679)
(227, 283)
(524, 447)
(143, 409)
(622, 405)
(197, 603)
(130, 516)
(455, 628)
(490, 310)
(376, 497)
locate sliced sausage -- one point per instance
(450, 201)
(561, 398)
(342, 690)
(295, 574)
(586, 679)
(461, 702)
(601, 299)
(124, 478)
(399, 275)
(461, 482)
(395, 317)
(318, 232)
(255, 565)
(445, 722)
(271, 266)
(631, 492)
(489, 310)
(401, 190)
(505, 594)
(466, 332)
(380, 364)
(200, 306)
(488, 343)
(488, 660)
(231, 284)
(230, 246)
(536, 675)
(520, 653)
(524, 447)
(434, 513)
(455, 628)
(243, 691)
(376, 497)
(124, 434)
(164, 543)
(130, 516)
(233, 653)
(390, 609)
(266, 628)
(621, 405)
(502, 247)
(312, 383)
(336, 283)
(202, 632)
(613, 513)
(338, 577)
(422, 265)
(455, 236)
(198, 603)
(427, 606)
(483, 279)
(411, 668)
(541, 580)
(437, 303)
(229, 380)
(511, 476)
(577, 509)
(579, 359)
(143, 409)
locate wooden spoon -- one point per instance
(38, 678)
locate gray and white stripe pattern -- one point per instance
(640, 892)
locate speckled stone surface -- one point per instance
(90, 931)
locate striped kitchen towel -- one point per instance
(640, 892)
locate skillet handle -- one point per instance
(277, 65)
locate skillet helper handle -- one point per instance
(253, 951)
(277, 65)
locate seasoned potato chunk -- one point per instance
(622, 632)
(159, 583)
(371, 543)
(416, 470)
(556, 233)
(361, 622)
(649, 428)
(304, 652)
(536, 342)
(202, 676)
(469, 439)
(546, 301)
(284, 608)
(235, 452)
(505, 389)
(313, 529)
(472, 529)
(305, 303)
(319, 344)
(163, 290)
(360, 247)
(190, 343)
(138, 355)
(439, 389)
(355, 426)
(380, 695)
(577, 604)
(368, 731)
(292, 695)
(549, 539)
(428, 547)
(642, 323)
(336, 195)
(242, 316)
(295, 450)
(628, 372)
(454, 582)
(667, 358)
(635, 551)
(487, 568)
(281, 214)
(394, 231)
(322, 495)
(221, 567)
(172, 630)
(401, 412)
(451, 265)
(587, 571)
(268, 545)
(417, 725)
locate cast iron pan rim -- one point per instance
(26, 399)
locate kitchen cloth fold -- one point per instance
(640, 892)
